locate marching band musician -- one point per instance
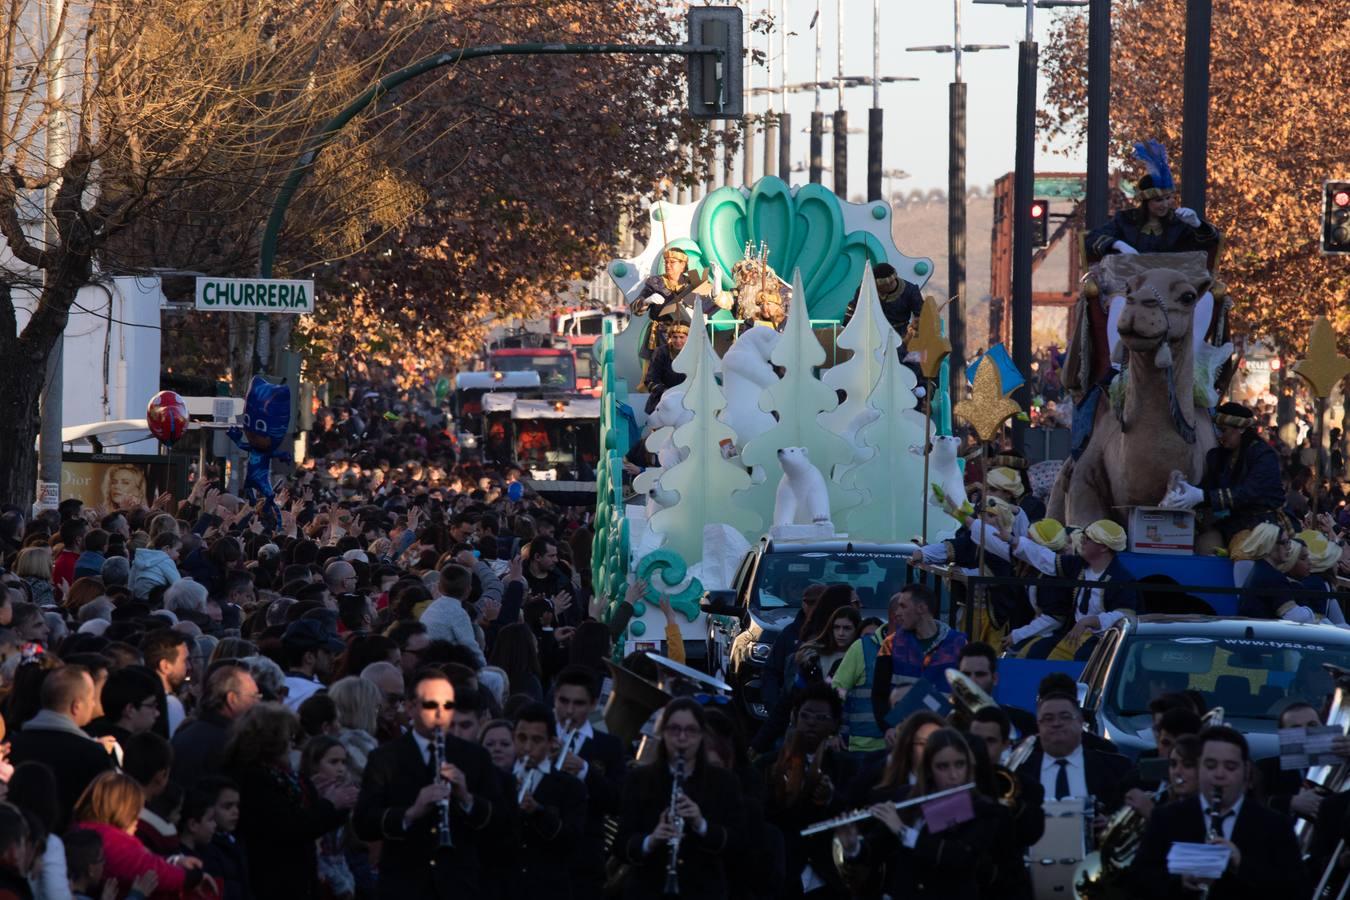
(990, 727)
(706, 820)
(552, 805)
(597, 760)
(401, 797)
(1265, 860)
(970, 859)
(1183, 770)
(979, 662)
(1066, 769)
(805, 784)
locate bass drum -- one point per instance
(1054, 859)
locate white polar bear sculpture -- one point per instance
(945, 472)
(802, 497)
(746, 372)
(669, 414)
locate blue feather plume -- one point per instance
(1154, 157)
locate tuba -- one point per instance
(1335, 881)
(968, 698)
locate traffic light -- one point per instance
(1040, 223)
(1336, 217)
(715, 79)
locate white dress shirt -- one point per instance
(1077, 772)
(584, 734)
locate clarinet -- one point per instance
(673, 864)
(1215, 830)
(443, 838)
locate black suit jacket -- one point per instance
(702, 860)
(75, 760)
(412, 864)
(605, 769)
(1270, 864)
(1104, 773)
(548, 838)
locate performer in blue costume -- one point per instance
(1241, 485)
(1153, 226)
(267, 419)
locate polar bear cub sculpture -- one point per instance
(945, 472)
(802, 497)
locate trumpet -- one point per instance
(673, 864)
(859, 815)
(443, 838)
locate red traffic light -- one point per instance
(1038, 209)
(1339, 198)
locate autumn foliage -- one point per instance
(1278, 127)
(534, 163)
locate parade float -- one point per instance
(812, 431)
(827, 392)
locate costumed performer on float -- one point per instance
(661, 375)
(1240, 487)
(1007, 607)
(1052, 604)
(1095, 609)
(1269, 589)
(1323, 556)
(1153, 226)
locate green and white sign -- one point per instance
(255, 295)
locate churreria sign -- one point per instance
(256, 295)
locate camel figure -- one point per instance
(1149, 425)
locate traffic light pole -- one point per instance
(1024, 185)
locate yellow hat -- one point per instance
(1323, 553)
(1006, 480)
(1049, 534)
(1259, 542)
(1107, 533)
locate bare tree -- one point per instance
(181, 118)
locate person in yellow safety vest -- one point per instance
(853, 680)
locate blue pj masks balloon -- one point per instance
(266, 420)
(267, 413)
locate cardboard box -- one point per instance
(1169, 532)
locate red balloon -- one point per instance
(167, 417)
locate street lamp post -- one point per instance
(1195, 107)
(1024, 186)
(1099, 110)
(840, 114)
(817, 116)
(875, 142)
(784, 119)
(956, 199)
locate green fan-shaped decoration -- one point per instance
(805, 232)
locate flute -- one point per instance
(858, 815)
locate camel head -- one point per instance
(1159, 313)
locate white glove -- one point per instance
(1185, 496)
(1187, 215)
(1122, 247)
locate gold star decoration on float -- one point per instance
(1324, 366)
(929, 343)
(987, 409)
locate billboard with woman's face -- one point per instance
(110, 481)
